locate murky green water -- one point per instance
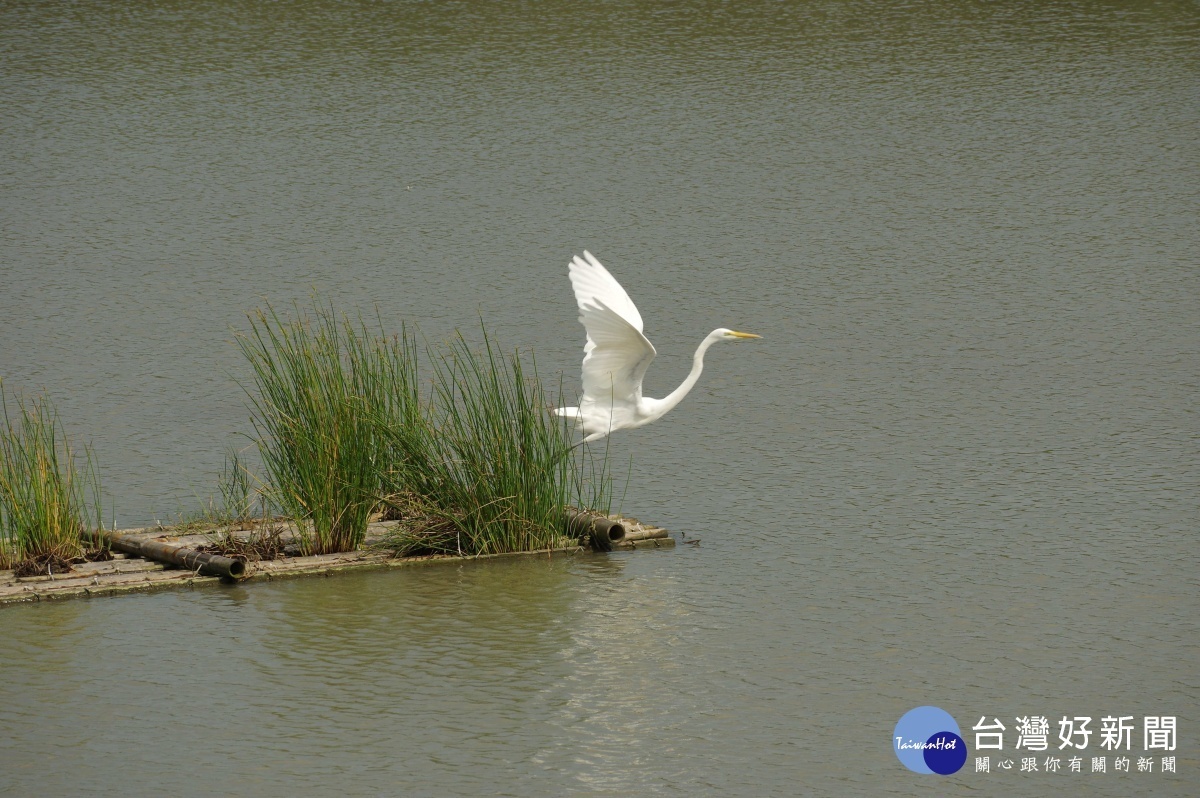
(960, 469)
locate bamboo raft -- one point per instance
(158, 558)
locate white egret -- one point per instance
(617, 354)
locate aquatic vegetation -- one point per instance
(264, 542)
(479, 467)
(237, 498)
(323, 383)
(45, 500)
(489, 470)
(236, 506)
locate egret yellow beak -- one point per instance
(737, 334)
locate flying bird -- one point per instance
(617, 354)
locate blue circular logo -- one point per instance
(928, 740)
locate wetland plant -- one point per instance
(236, 505)
(491, 470)
(323, 384)
(45, 500)
(237, 498)
(479, 467)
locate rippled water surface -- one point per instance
(960, 468)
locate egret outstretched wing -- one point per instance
(592, 283)
(616, 354)
(616, 357)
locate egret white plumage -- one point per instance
(617, 354)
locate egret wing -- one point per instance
(592, 283)
(617, 354)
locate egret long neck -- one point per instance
(676, 396)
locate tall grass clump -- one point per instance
(45, 500)
(489, 462)
(478, 466)
(324, 383)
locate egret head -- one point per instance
(734, 335)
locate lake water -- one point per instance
(960, 468)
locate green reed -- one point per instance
(237, 497)
(492, 470)
(45, 500)
(479, 467)
(236, 505)
(323, 383)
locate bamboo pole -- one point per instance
(599, 530)
(645, 533)
(205, 563)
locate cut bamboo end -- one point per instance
(598, 530)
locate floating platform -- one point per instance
(128, 573)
